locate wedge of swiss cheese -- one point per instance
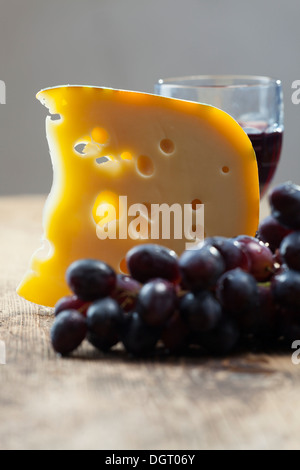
(157, 150)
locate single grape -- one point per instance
(91, 279)
(260, 320)
(126, 292)
(285, 205)
(68, 331)
(237, 292)
(175, 333)
(157, 302)
(222, 339)
(200, 311)
(104, 322)
(137, 337)
(271, 232)
(150, 261)
(286, 288)
(71, 302)
(286, 320)
(246, 240)
(232, 252)
(290, 250)
(267, 308)
(201, 268)
(261, 257)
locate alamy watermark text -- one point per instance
(153, 221)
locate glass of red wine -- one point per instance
(255, 102)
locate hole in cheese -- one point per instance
(225, 169)
(106, 208)
(199, 229)
(194, 203)
(100, 135)
(167, 146)
(80, 148)
(126, 156)
(55, 117)
(85, 148)
(123, 267)
(45, 251)
(145, 166)
(105, 159)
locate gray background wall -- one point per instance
(129, 44)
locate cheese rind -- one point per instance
(157, 150)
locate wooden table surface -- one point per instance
(92, 401)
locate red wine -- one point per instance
(267, 147)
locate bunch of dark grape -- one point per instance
(225, 294)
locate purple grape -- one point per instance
(68, 331)
(157, 302)
(201, 268)
(286, 320)
(232, 252)
(237, 292)
(261, 319)
(71, 302)
(261, 257)
(147, 262)
(200, 311)
(91, 279)
(126, 292)
(266, 306)
(285, 205)
(286, 288)
(104, 321)
(139, 338)
(290, 251)
(222, 339)
(271, 232)
(175, 333)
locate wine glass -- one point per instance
(255, 102)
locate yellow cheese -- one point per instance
(106, 143)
